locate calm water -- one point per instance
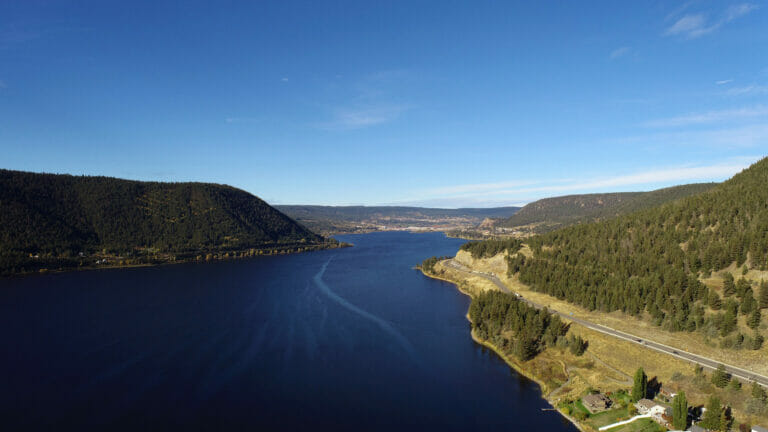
(344, 339)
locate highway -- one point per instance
(743, 374)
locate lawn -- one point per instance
(608, 417)
(641, 425)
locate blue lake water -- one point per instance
(344, 339)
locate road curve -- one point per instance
(708, 363)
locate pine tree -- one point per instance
(734, 385)
(728, 285)
(758, 392)
(720, 377)
(748, 303)
(754, 319)
(680, 411)
(525, 347)
(742, 286)
(640, 388)
(729, 322)
(763, 294)
(711, 418)
(714, 301)
(724, 423)
(757, 341)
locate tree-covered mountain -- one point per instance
(552, 213)
(349, 218)
(650, 263)
(46, 217)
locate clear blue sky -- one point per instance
(440, 103)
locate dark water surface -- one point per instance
(344, 339)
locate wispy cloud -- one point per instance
(521, 191)
(693, 26)
(748, 90)
(284, 79)
(722, 82)
(739, 137)
(363, 117)
(481, 187)
(710, 117)
(2, 84)
(243, 120)
(619, 52)
(369, 101)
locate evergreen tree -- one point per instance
(720, 377)
(714, 301)
(748, 303)
(640, 387)
(729, 288)
(698, 370)
(680, 411)
(525, 347)
(757, 341)
(577, 346)
(734, 385)
(712, 414)
(758, 392)
(742, 286)
(754, 319)
(724, 423)
(728, 324)
(763, 294)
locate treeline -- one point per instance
(58, 219)
(550, 213)
(517, 328)
(489, 248)
(651, 261)
(428, 265)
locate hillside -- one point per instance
(552, 213)
(657, 264)
(52, 221)
(333, 219)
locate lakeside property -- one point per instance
(606, 366)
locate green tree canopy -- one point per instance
(640, 387)
(720, 377)
(680, 411)
(712, 414)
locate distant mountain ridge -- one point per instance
(552, 213)
(346, 218)
(54, 216)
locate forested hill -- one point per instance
(552, 213)
(61, 216)
(652, 263)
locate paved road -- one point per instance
(743, 374)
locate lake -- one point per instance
(343, 339)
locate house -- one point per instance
(596, 402)
(662, 415)
(759, 429)
(644, 406)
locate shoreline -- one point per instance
(519, 369)
(217, 257)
